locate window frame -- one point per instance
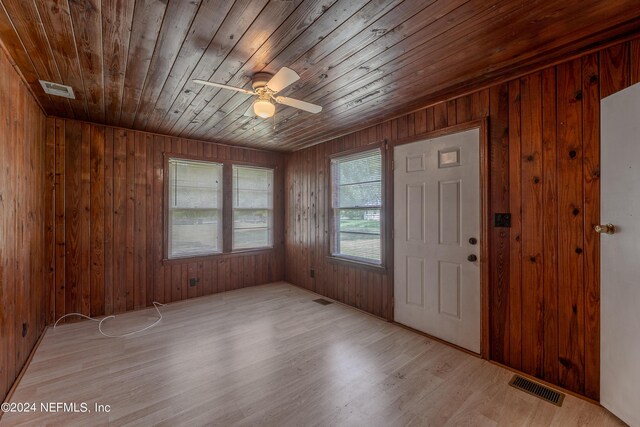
(272, 217)
(227, 207)
(382, 146)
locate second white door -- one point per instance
(437, 237)
(619, 267)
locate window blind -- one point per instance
(195, 208)
(252, 207)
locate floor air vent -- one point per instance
(538, 390)
(322, 301)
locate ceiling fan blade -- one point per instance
(295, 103)
(282, 79)
(238, 89)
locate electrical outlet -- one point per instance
(502, 220)
(312, 272)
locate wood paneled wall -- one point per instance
(544, 148)
(307, 207)
(23, 290)
(307, 229)
(105, 214)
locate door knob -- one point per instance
(473, 240)
(605, 229)
(472, 258)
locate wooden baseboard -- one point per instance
(24, 368)
(335, 301)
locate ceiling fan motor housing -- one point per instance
(260, 80)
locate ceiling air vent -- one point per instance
(57, 89)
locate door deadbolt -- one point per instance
(605, 229)
(472, 258)
(473, 240)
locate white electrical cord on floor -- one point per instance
(155, 305)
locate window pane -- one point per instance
(360, 195)
(195, 203)
(359, 233)
(366, 247)
(360, 220)
(251, 238)
(252, 207)
(194, 232)
(254, 218)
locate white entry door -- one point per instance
(620, 255)
(437, 237)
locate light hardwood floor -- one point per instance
(269, 355)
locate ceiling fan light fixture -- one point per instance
(264, 108)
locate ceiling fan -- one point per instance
(265, 87)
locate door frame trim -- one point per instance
(483, 126)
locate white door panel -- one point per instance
(437, 211)
(619, 266)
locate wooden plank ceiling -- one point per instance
(131, 63)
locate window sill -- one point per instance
(252, 250)
(195, 258)
(356, 264)
(211, 257)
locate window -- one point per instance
(356, 202)
(252, 207)
(195, 208)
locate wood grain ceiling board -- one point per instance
(116, 38)
(351, 18)
(131, 63)
(86, 17)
